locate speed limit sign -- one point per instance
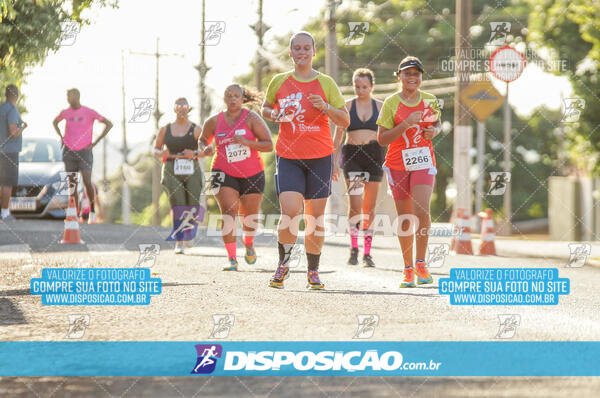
(507, 64)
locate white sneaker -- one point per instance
(92, 218)
(179, 248)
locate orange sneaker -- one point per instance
(409, 277)
(423, 275)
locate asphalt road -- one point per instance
(194, 288)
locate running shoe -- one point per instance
(353, 260)
(368, 261)
(232, 266)
(282, 273)
(314, 282)
(179, 248)
(423, 275)
(92, 219)
(250, 255)
(409, 277)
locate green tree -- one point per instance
(30, 29)
(570, 28)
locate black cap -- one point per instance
(413, 63)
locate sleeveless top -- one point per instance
(236, 160)
(176, 145)
(357, 124)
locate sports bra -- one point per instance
(357, 124)
(179, 144)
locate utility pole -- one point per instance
(202, 71)
(156, 164)
(463, 130)
(125, 198)
(331, 51)
(202, 98)
(157, 115)
(335, 203)
(480, 143)
(506, 227)
(260, 29)
(104, 148)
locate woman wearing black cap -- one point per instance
(407, 123)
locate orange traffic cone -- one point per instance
(462, 243)
(456, 228)
(71, 236)
(488, 233)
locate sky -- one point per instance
(93, 62)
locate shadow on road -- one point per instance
(367, 292)
(174, 284)
(295, 271)
(10, 314)
(16, 292)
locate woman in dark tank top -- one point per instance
(362, 158)
(181, 174)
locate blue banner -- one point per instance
(95, 286)
(504, 286)
(300, 358)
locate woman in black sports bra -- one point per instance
(181, 173)
(362, 158)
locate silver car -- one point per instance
(42, 189)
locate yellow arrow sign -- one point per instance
(481, 99)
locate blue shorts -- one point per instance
(310, 177)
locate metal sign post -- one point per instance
(482, 100)
(507, 64)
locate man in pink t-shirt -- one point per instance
(78, 142)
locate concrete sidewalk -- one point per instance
(543, 249)
(515, 246)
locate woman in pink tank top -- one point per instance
(237, 173)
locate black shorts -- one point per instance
(9, 168)
(310, 177)
(77, 160)
(361, 158)
(244, 185)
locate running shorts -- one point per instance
(77, 160)
(401, 181)
(9, 168)
(310, 177)
(360, 158)
(244, 185)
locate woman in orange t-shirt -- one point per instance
(303, 101)
(408, 121)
